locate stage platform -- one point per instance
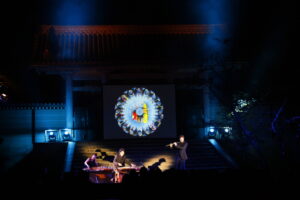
(202, 155)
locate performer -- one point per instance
(91, 161)
(181, 155)
(120, 159)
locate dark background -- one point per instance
(263, 33)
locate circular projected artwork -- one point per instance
(139, 112)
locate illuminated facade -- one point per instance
(87, 57)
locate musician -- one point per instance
(91, 161)
(181, 157)
(120, 161)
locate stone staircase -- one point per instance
(202, 154)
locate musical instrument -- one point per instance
(107, 174)
(171, 144)
(111, 169)
(121, 171)
(124, 169)
(98, 169)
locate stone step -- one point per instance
(202, 155)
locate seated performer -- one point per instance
(91, 161)
(181, 155)
(120, 161)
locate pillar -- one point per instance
(206, 101)
(69, 101)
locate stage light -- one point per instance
(51, 135)
(211, 131)
(3, 97)
(226, 130)
(66, 134)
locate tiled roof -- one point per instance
(69, 45)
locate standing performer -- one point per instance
(181, 155)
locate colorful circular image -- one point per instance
(139, 112)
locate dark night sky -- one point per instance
(263, 33)
(252, 22)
